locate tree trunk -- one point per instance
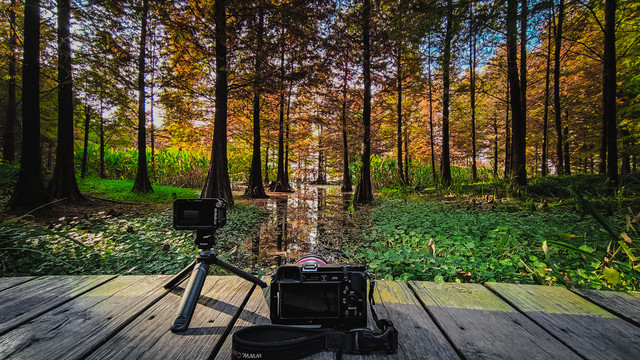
(524, 13)
(103, 174)
(266, 163)
(406, 153)
(495, 145)
(286, 140)
(431, 139)
(507, 135)
(280, 185)
(255, 188)
(609, 83)
(347, 185)
(85, 147)
(142, 183)
(545, 116)
(518, 157)
(472, 81)
(364, 193)
(322, 175)
(445, 168)
(9, 146)
(218, 184)
(64, 184)
(399, 112)
(29, 190)
(567, 160)
(556, 89)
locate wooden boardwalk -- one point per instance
(128, 317)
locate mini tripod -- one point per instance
(205, 239)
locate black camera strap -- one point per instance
(281, 342)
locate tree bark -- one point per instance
(280, 185)
(445, 168)
(472, 81)
(255, 188)
(431, 138)
(364, 193)
(103, 174)
(609, 84)
(399, 112)
(347, 185)
(218, 184)
(556, 88)
(518, 158)
(545, 117)
(29, 190)
(142, 183)
(9, 146)
(85, 147)
(507, 135)
(567, 160)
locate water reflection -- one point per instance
(311, 220)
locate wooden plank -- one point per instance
(480, 325)
(419, 337)
(149, 336)
(588, 329)
(76, 328)
(9, 282)
(27, 301)
(625, 305)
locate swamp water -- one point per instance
(313, 219)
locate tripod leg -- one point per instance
(242, 274)
(179, 276)
(190, 297)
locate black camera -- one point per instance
(199, 214)
(314, 293)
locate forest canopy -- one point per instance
(509, 89)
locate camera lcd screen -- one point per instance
(309, 300)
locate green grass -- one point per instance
(127, 244)
(120, 190)
(480, 244)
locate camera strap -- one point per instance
(281, 342)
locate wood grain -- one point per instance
(588, 329)
(482, 326)
(76, 328)
(625, 305)
(150, 337)
(29, 300)
(9, 282)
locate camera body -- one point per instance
(207, 214)
(316, 294)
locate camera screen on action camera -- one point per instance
(309, 300)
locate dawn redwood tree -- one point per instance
(218, 184)
(255, 188)
(29, 190)
(556, 88)
(364, 192)
(518, 151)
(347, 185)
(9, 146)
(445, 167)
(609, 89)
(85, 147)
(63, 183)
(472, 85)
(142, 183)
(545, 116)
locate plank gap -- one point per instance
(436, 322)
(514, 306)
